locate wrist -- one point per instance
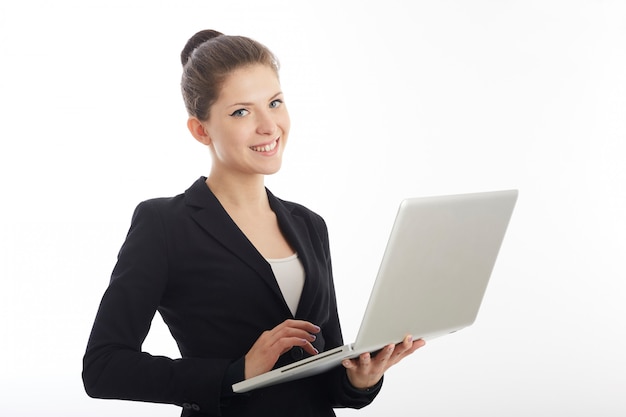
(366, 385)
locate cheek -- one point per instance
(230, 137)
(285, 123)
(223, 146)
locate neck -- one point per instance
(241, 193)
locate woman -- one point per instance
(242, 279)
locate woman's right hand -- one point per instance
(272, 343)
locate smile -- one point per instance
(265, 148)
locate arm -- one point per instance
(114, 365)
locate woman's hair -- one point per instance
(208, 58)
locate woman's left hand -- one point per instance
(365, 371)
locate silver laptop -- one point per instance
(431, 280)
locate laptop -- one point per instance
(430, 283)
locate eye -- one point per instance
(239, 113)
(275, 103)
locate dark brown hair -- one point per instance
(208, 58)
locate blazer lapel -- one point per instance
(211, 216)
(298, 234)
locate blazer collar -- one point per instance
(213, 218)
(297, 233)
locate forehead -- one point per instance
(249, 84)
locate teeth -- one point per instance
(265, 148)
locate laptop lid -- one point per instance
(436, 266)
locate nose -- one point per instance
(266, 125)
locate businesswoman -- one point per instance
(242, 278)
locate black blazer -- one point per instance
(186, 258)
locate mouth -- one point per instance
(266, 147)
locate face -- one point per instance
(249, 124)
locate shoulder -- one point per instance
(166, 206)
(160, 206)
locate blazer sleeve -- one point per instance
(114, 365)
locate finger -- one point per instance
(361, 361)
(298, 324)
(406, 344)
(290, 335)
(350, 363)
(290, 332)
(407, 348)
(408, 341)
(310, 349)
(414, 345)
(286, 344)
(385, 353)
(365, 359)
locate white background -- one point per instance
(388, 99)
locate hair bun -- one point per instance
(195, 41)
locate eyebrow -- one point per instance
(251, 104)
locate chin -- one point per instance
(271, 171)
(272, 167)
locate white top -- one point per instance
(289, 274)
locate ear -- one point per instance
(198, 131)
